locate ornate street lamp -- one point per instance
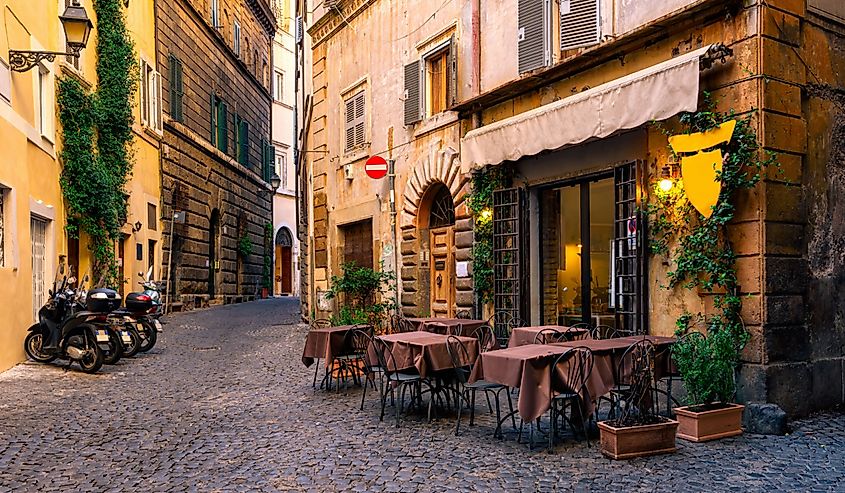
(77, 28)
(275, 181)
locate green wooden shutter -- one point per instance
(213, 119)
(176, 90)
(271, 160)
(222, 127)
(244, 143)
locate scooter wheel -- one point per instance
(93, 361)
(32, 345)
(112, 350)
(134, 345)
(149, 336)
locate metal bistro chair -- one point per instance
(548, 336)
(486, 337)
(581, 326)
(466, 391)
(463, 314)
(671, 375)
(371, 367)
(634, 380)
(395, 380)
(576, 365)
(350, 363)
(401, 324)
(604, 332)
(500, 321)
(320, 323)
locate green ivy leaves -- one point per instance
(97, 136)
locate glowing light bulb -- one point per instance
(486, 214)
(665, 184)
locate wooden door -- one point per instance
(287, 270)
(278, 271)
(442, 268)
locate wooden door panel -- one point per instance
(442, 272)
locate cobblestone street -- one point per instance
(224, 403)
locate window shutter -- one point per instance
(243, 134)
(453, 73)
(143, 96)
(180, 91)
(533, 38)
(175, 88)
(213, 119)
(349, 125)
(413, 94)
(359, 118)
(299, 29)
(222, 127)
(579, 23)
(271, 159)
(158, 101)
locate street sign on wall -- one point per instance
(376, 167)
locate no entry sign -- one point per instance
(376, 167)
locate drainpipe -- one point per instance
(476, 46)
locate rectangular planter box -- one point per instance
(709, 425)
(638, 441)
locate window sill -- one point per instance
(435, 122)
(355, 155)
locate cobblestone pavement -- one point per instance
(223, 403)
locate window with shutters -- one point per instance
(176, 88)
(150, 96)
(580, 23)
(219, 134)
(355, 118)
(533, 39)
(831, 8)
(236, 37)
(242, 140)
(215, 13)
(278, 86)
(431, 82)
(152, 216)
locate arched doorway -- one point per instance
(213, 234)
(284, 261)
(437, 227)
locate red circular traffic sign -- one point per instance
(376, 167)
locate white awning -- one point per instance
(656, 93)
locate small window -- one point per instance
(152, 217)
(282, 166)
(176, 89)
(237, 38)
(150, 96)
(437, 82)
(215, 13)
(43, 104)
(241, 140)
(278, 86)
(219, 124)
(355, 121)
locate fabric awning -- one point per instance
(656, 93)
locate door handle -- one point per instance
(439, 279)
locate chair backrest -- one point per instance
(458, 353)
(583, 326)
(516, 322)
(570, 370)
(405, 325)
(636, 370)
(548, 336)
(463, 314)
(574, 334)
(486, 337)
(320, 323)
(384, 355)
(359, 340)
(604, 332)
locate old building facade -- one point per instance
(217, 158)
(564, 94)
(285, 239)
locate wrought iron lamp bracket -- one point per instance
(23, 60)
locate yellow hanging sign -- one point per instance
(700, 170)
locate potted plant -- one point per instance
(638, 430)
(360, 290)
(708, 366)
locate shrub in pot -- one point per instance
(708, 367)
(638, 430)
(361, 292)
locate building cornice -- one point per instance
(264, 14)
(335, 19)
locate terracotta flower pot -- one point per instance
(637, 441)
(264, 293)
(719, 421)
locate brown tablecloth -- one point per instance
(424, 351)
(611, 350)
(521, 336)
(527, 367)
(446, 325)
(325, 343)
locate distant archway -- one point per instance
(284, 261)
(213, 235)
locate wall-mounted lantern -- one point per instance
(77, 27)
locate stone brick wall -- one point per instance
(209, 179)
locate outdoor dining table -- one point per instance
(521, 336)
(325, 343)
(446, 325)
(527, 367)
(424, 352)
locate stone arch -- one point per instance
(440, 165)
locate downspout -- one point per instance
(476, 116)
